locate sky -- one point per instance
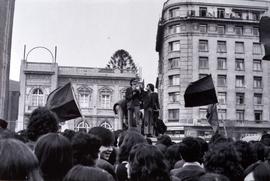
(86, 32)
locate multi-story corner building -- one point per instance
(200, 37)
(96, 89)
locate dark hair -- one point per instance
(54, 153)
(42, 121)
(245, 153)
(152, 87)
(132, 80)
(106, 136)
(165, 140)
(223, 159)
(262, 172)
(173, 155)
(190, 149)
(17, 161)
(213, 177)
(132, 138)
(83, 173)
(259, 151)
(147, 163)
(85, 148)
(3, 123)
(68, 133)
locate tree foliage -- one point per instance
(122, 60)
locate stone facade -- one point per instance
(221, 38)
(6, 23)
(96, 89)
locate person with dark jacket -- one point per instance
(133, 97)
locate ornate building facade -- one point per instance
(96, 89)
(201, 37)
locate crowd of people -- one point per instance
(41, 152)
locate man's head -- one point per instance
(150, 87)
(133, 83)
(107, 139)
(190, 150)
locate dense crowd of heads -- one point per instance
(41, 152)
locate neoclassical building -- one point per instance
(96, 89)
(199, 37)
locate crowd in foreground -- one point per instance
(40, 152)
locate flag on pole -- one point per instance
(201, 92)
(62, 102)
(265, 35)
(212, 117)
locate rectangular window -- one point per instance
(239, 30)
(222, 114)
(221, 47)
(221, 29)
(173, 115)
(257, 99)
(257, 49)
(203, 28)
(220, 12)
(105, 101)
(174, 29)
(174, 97)
(240, 115)
(256, 16)
(257, 65)
(175, 12)
(174, 46)
(238, 14)
(240, 98)
(257, 82)
(174, 63)
(222, 80)
(174, 80)
(203, 63)
(239, 64)
(202, 113)
(203, 45)
(203, 11)
(256, 31)
(239, 47)
(239, 81)
(221, 63)
(257, 115)
(222, 97)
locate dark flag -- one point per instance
(63, 103)
(265, 35)
(201, 92)
(212, 117)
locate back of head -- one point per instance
(147, 163)
(54, 153)
(85, 148)
(106, 136)
(223, 159)
(41, 121)
(68, 133)
(165, 140)
(132, 138)
(17, 162)
(262, 172)
(83, 173)
(213, 177)
(3, 124)
(190, 150)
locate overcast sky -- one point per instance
(86, 32)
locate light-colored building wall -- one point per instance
(181, 21)
(91, 86)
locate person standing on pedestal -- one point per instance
(133, 103)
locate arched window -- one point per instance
(84, 97)
(107, 125)
(37, 97)
(105, 98)
(82, 126)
